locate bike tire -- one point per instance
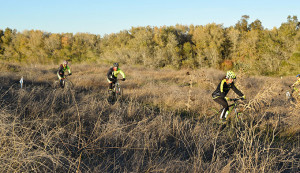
(111, 98)
(118, 92)
(68, 85)
(212, 115)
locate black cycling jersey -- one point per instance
(112, 75)
(223, 88)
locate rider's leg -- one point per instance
(224, 104)
(60, 77)
(110, 86)
(62, 83)
(224, 113)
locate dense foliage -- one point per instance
(245, 46)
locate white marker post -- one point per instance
(21, 82)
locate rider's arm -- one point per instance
(122, 73)
(109, 73)
(237, 91)
(222, 88)
(69, 70)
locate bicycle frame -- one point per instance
(63, 81)
(116, 91)
(116, 88)
(233, 106)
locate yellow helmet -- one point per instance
(230, 75)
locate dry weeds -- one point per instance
(161, 124)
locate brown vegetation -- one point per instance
(162, 124)
(245, 46)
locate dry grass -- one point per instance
(162, 124)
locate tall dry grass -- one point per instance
(162, 123)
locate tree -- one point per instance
(242, 24)
(209, 41)
(52, 46)
(7, 47)
(256, 25)
(1, 42)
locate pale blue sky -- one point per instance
(111, 16)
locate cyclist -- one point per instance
(296, 84)
(112, 75)
(61, 72)
(219, 95)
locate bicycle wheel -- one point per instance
(213, 113)
(235, 121)
(111, 98)
(68, 85)
(118, 92)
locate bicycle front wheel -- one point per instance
(119, 92)
(68, 85)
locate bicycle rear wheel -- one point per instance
(213, 113)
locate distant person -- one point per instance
(296, 83)
(219, 95)
(61, 72)
(112, 75)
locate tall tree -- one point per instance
(209, 41)
(242, 24)
(256, 25)
(7, 44)
(1, 43)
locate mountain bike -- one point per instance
(116, 93)
(63, 83)
(236, 117)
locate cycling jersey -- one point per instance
(296, 83)
(61, 71)
(112, 75)
(223, 89)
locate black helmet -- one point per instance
(116, 64)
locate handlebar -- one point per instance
(236, 99)
(123, 79)
(66, 76)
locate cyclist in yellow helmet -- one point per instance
(219, 95)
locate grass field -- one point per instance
(163, 123)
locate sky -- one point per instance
(112, 16)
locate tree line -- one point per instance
(247, 46)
